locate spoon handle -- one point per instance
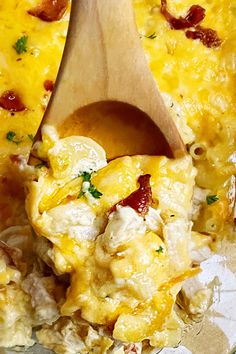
(100, 49)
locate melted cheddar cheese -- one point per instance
(125, 269)
(26, 73)
(126, 286)
(200, 84)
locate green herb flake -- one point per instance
(11, 137)
(80, 194)
(21, 45)
(95, 193)
(152, 36)
(160, 249)
(31, 137)
(86, 176)
(210, 199)
(91, 189)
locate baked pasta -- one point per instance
(106, 259)
(122, 232)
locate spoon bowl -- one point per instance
(105, 89)
(118, 127)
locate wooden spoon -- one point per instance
(105, 89)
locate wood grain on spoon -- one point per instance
(105, 89)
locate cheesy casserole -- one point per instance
(106, 257)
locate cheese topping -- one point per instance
(125, 268)
(124, 265)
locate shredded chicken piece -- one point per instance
(40, 289)
(69, 336)
(199, 197)
(195, 298)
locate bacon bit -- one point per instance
(207, 36)
(71, 197)
(141, 199)
(195, 15)
(48, 85)
(11, 102)
(50, 10)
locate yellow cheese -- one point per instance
(198, 85)
(25, 73)
(200, 82)
(124, 268)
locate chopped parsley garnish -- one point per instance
(160, 249)
(86, 176)
(31, 137)
(210, 199)
(81, 193)
(95, 193)
(11, 137)
(91, 189)
(21, 45)
(152, 36)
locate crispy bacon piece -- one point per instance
(11, 102)
(48, 85)
(194, 16)
(50, 10)
(207, 36)
(141, 199)
(71, 197)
